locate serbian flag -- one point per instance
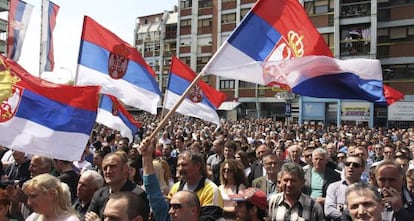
(321, 76)
(201, 102)
(392, 95)
(113, 114)
(47, 119)
(19, 17)
(108, 61)
(271, 31)
(52, 10)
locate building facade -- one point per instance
(4, 8)
(381, 29)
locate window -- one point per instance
(185, 23)
(244, 84)
(397, 33)
(201, 62)
(243, 12)
(186, 4)
(205, 3)
(228, 18)
(204, 22)
(226, 84)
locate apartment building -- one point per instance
(381, 29)
(4, 8)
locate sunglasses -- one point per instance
(227, 170)
(355, 165)
(176, 206)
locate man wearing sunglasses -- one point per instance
(335, 194)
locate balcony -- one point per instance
(356, 9)
(357, 47)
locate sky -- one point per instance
(119, 16)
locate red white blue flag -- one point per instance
(19, 17)
(113, 114)
(47, 119)
(108, 61)
(201, 102)
(49, 13)
(277, 44)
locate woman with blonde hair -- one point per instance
(233, 180)
(49, 199)
(163, 173)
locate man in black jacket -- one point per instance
(115, 170)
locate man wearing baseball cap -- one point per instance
(251, 204)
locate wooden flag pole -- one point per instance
(174, 108)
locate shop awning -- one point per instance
(228, 105)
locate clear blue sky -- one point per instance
(117, 15)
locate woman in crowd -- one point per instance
(244, 160)
(233, 179)
(49, 199)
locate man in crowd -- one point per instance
(397, 200)
(335, 194)
(257, 169)
(363, 202)
(251, 205)
(268, 182)
(115, 170)
(89, 182)
(214, 161)
(126, 206)
(291, 203)
(378, 153)
(319, 176)
(295, 152)
(184, 205)
(68, 175)
(192, 173)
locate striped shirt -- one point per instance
(304, 209)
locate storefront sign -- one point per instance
(355, 111)
(401, 111)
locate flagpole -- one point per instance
(43, 36)
(174, 108)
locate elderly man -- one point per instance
(335, 194)
(295, 152)
(364, 202)
(291, 203)
(115, 170)
(319, 176)
(89, 182)
(398, 201)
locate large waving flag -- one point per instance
(276, 44)
(45, 118)
(321, 76)
(19, 17)
(48, 24)
(202, 100)
(108, 61)
(113, 114)
(271, 31)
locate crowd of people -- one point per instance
(251, 169)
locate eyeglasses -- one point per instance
(355, 165)
(227, 170)
(176, 206)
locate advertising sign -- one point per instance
(401, 111)
(355, 111)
